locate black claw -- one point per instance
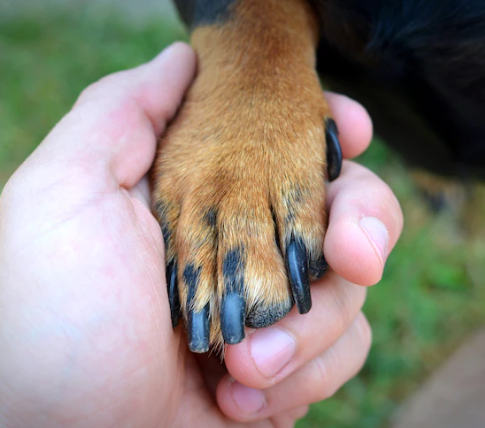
(233, 314)
(297, 266)
(198, 330)
(197, 322)
(173, 293)
(233, 309)
(334, 152)
(318, 267)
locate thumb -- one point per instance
(114, 126)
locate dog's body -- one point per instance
(419, 68)
(250, 213)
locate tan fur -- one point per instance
(248, 141)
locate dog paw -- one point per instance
(239, 191)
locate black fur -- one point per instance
(233, 271)
(419, 68)
(204, 12)
(210, 217)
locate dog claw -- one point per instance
(233, 313)
(334, 151)
(297, 266)
(198, 330)
(198, 333)
(173, 293)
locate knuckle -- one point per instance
(91, 90)
(364, 331)
(362, 339)
(387, 204)
(347, 299)
(94, 88)
(121, 104)
(322, 386)
(329, 370)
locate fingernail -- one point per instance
(271, 350)
(248, 400)
(377, 234)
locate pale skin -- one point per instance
(86, 338)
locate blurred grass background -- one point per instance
(431, 296)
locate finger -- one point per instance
(114, 125)
(288, 419)
(213, 369)
(272, 354)
(365, 221)
(316, 381)
(354, 124)
(141, 191)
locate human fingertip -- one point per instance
(174, 48)
(271, 349)
(350, 252)
(247, 400)
(354, 122)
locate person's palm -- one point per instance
(86, 338)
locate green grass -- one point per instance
(431, 295)
(46, 61)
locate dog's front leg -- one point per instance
(239, 178)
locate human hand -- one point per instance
(86, 337)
